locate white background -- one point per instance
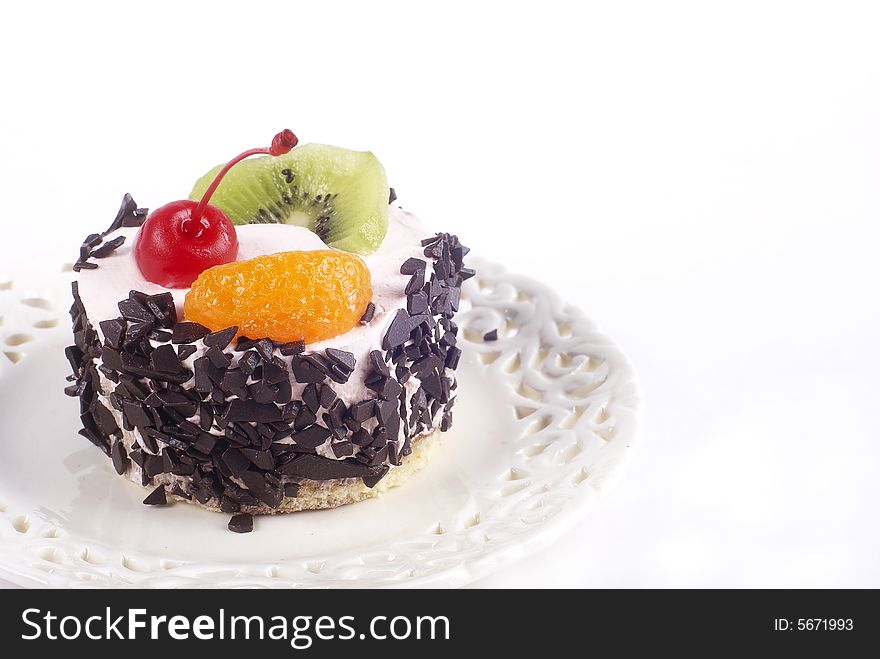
(703, 180)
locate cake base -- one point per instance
(320, 495)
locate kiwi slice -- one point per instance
(339, 194)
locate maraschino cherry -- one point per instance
(180, 240)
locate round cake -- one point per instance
(299, 370)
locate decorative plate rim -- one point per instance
(558, 367)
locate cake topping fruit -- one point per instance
(290, 296)
(339, 194)
(180, 240)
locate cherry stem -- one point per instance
(281, 144)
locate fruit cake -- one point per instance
(290, 345)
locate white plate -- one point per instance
(545, 417)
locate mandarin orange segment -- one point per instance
(289, 296)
